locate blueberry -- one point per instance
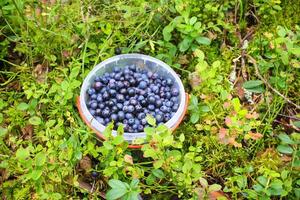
(100, 120)
(123, 91)
(174, 99)
(132, 81)
(95, 174)
(135, 126)
(125, 122)
(92, 111)
(106, 120)
(155, 89)
(126, 103)
(140, 128)
(97, 78)
(143, 103)
(120, 98)
(141, 116)
(105, 113)
(114, 109)
(105, 96)
(118, 50)
(131, 121)
(164, 109)
(112, 92)
(121, 115)
(169, 103)
(167, 89)
(149, 74)
(128, 116)
(130, 130)
(132, 68)
(144, 121)
(99, 98)
(101, 105)
(114, 117)
(158, 103)
(133, 102)
(97, 85)
(140, 98)
(104, 80)
(98, 111)
(151, 99)
(126, 71)
(110, 103)
(94, 105)
(168, 95)
(119, 106)
(164, 82)
(175, 107)
(154, 76)
(91, 91)
(112, 84)
(158, 118)
(142, 85)
(151, 107)
(169, 82)
(120, 85)
(167, 117)
(93, 96)
(138, 108)
(131, 108)
(175, 92)
(125, 108)
(131, 91)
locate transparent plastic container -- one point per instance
(141, 61)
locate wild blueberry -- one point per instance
(168, 95)
(121, 115)
(140, 98)
(95, 174)
(98, 111)
(105, 95)
(131, 121)
(175, 92)
(99, 98)
(119, 106)
(97, 85)
(106, 120)
(138, 108)
(151, 107)
(175, 107)
(101, 105)
(167, 117)
(158, 103)
(94, 105)
(92, 111)
(114, 109)
(144, 121)
(128, 116)
(112, 92)
(133, 102)
(142, 85)
(120, 85)
(164, 109)
(105, 113)
(168, 103)
(100, 120)
(120, 98)
(125, 108)
(114, 117)
(140, 128)
(158, 118)
(93, 96)
(118, 50)
(141, 116)
(132, 68)
(174, 99)
(110, 103)
(151, 99)
(130, 109)
(132, 81)
(131, 91)
(126, 103)
(91, 91)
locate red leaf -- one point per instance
(222, 133)
(255, 136)
(228, 121)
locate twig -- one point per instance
(268, 84)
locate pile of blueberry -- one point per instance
(128, 94)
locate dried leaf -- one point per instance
(85, 163)
(128, 159)
(194, 79)
(254, 136)
(233, 142)
(183, 60)
(27, 132)
(228, 121)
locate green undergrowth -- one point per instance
(238, 60)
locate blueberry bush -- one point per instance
(239, 62)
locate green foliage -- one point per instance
(225, 144)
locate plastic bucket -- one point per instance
(141, 61)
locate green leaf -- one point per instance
(3, 131)
(281, 31)
(285, 139)
(203, 40)
(118, 140)
(132, 195)
(185, 44)
(134, 183)
(35, 120)
(150, 180)
(23, 106)
(151, 120)
(40, 159)
(285, 149)
(259, 89)
(262, 180)
(1, 118)
(116, 184)
(181, 137)
(193, 20)
(295, 51)
(297, 124)
(195, 117)
(158, 163)
(158, 173)
(167, 32)
(214, 188)
(36, 174)
(252, 84)
(22, 153)
(115, 193)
